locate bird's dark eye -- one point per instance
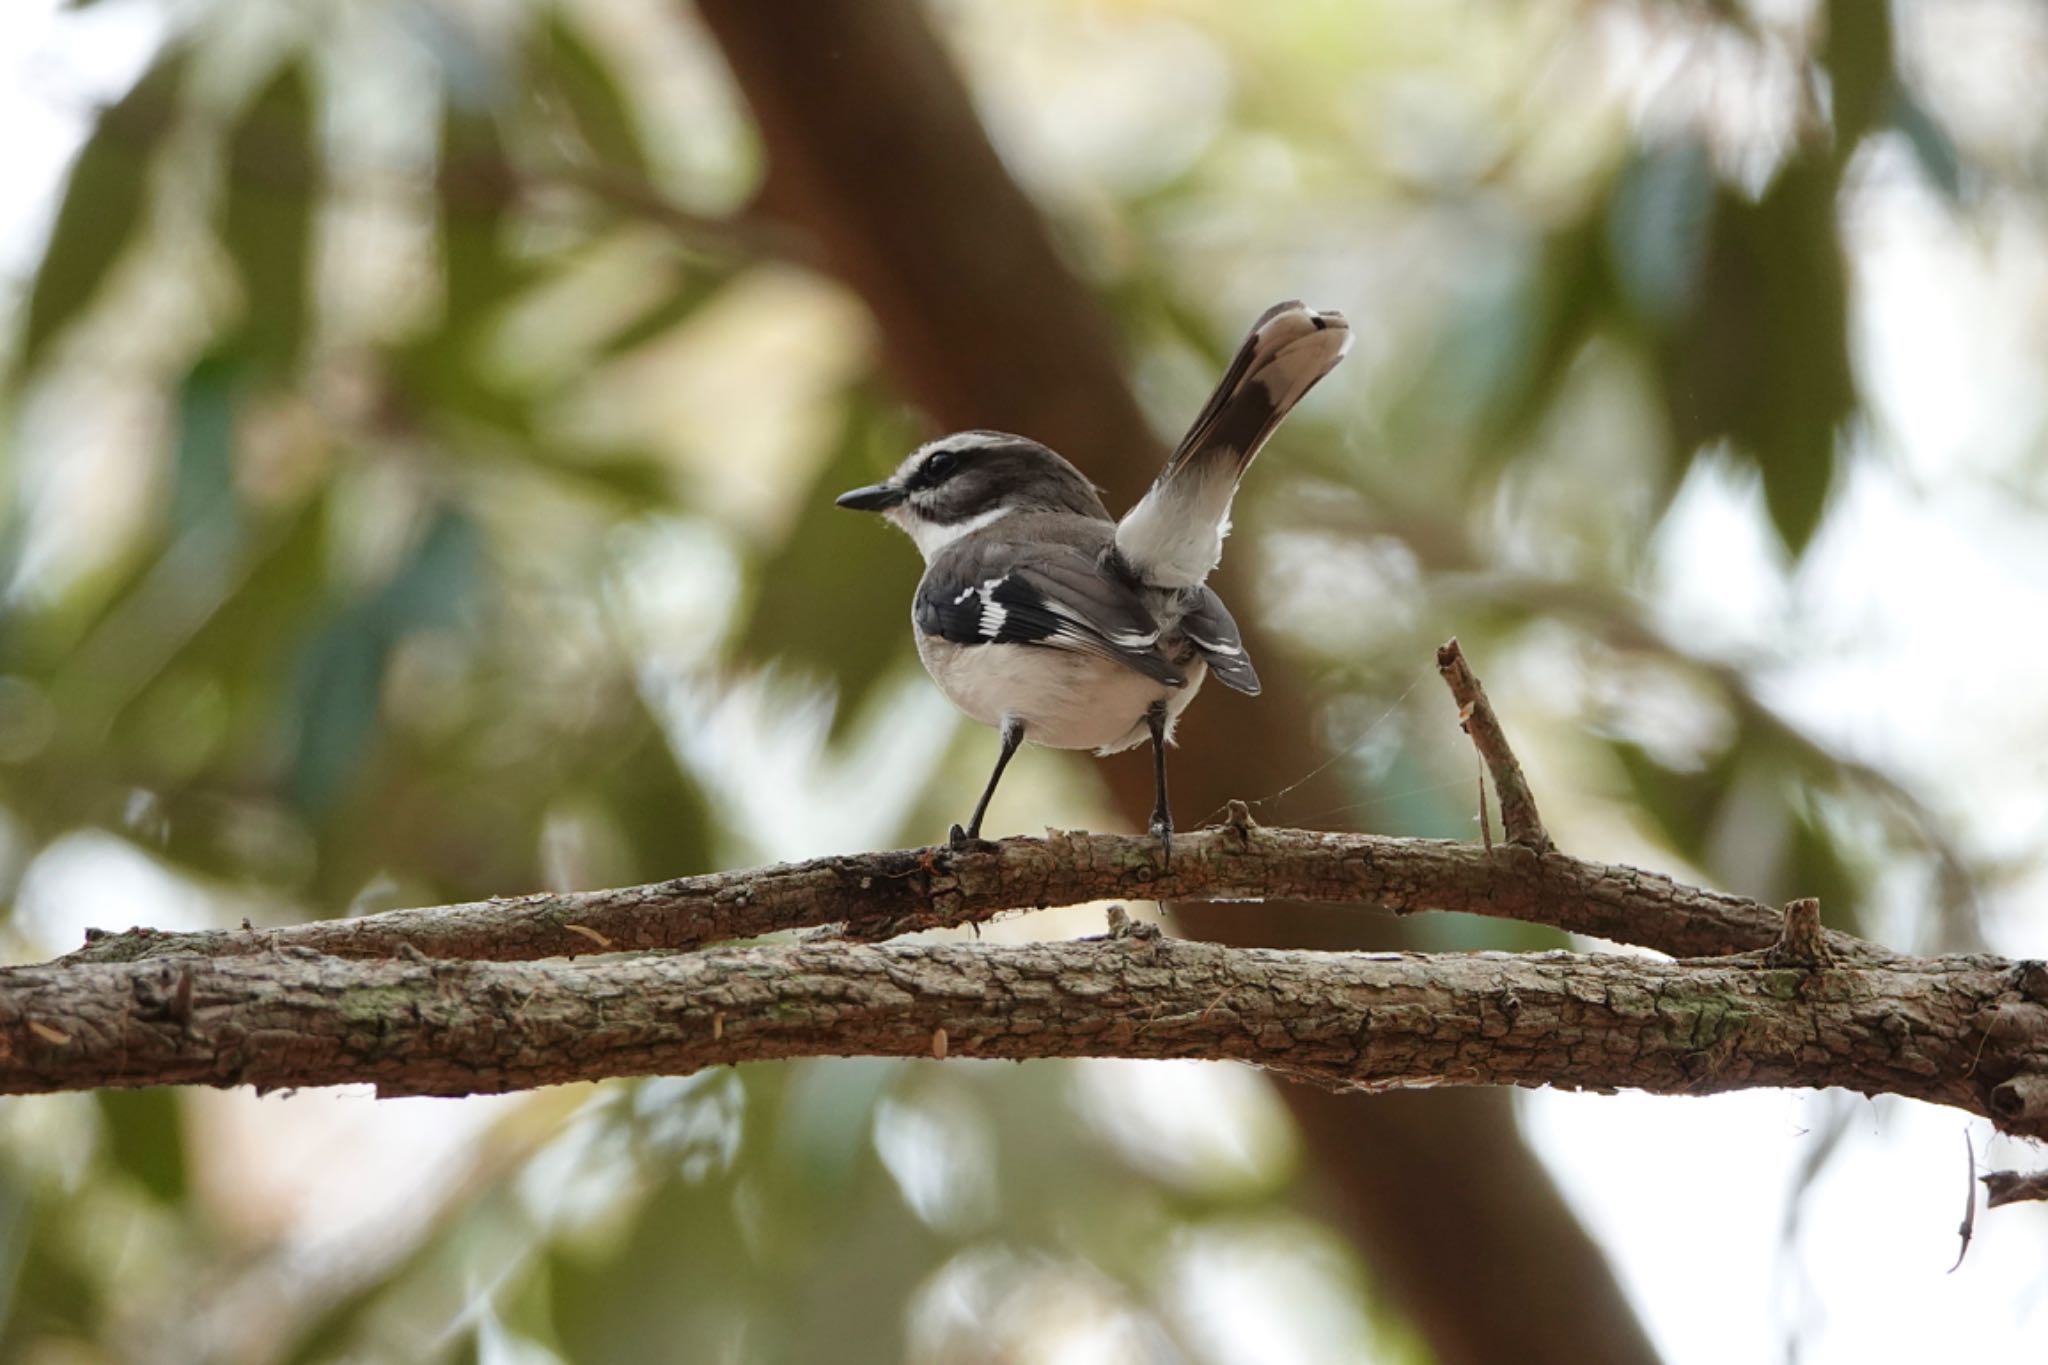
(938, 465)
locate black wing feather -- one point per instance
(1209, 626)
(962, 613)
(1060, 599)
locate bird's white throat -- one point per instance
(931, 537)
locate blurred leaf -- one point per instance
(1859, 65)
(48, 1295)
(1513, 335)
(1658, 223)
(665, 816)
(439, 581)
(439, 376)
(806, 1201)
(1814, 866)
(522, 1308)
(103, 208)
(821, 1131)
(440, 386)
(340, 682)
(339, 1330)
(1763, 360)
(827, 594)
(145, 1135)
(229, 654)
(1932, 146)
(203, 486)
(700, 283)
(1561, 307)
(596, 105)
(172, 593)
(248, 637)
(681, 1276)
(1805, 388)
(476, 188)
(268, 218)
(635, 479)
(1685, 806)
(17, 1225)
(340, 674)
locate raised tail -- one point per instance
(1174, 536)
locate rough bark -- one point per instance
(880, 895)
(1967, 1032)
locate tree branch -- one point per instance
(462, 1010)
(1958, 1031)
(880, 895)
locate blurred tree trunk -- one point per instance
(873, 143)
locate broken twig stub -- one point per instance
(1803, 944)
(2013, 1187)
(1518, 817)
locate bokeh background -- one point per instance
(420, 421)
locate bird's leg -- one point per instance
(1162, 818)
(1013, 735)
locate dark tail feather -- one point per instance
(1174, 535)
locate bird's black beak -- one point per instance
(876, 497)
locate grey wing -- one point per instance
(1210, 629)
(1052, 595)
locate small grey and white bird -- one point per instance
(1041, 615)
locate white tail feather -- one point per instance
(1174, 536)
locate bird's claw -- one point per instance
(957, 837)
(1162, 830)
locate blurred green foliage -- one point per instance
(104, 206)
(370, 617)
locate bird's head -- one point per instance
(971, 479)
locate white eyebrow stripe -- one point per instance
(965, 440)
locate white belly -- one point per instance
(1066, 700)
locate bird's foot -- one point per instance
(1161, 829)
(957, 837)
